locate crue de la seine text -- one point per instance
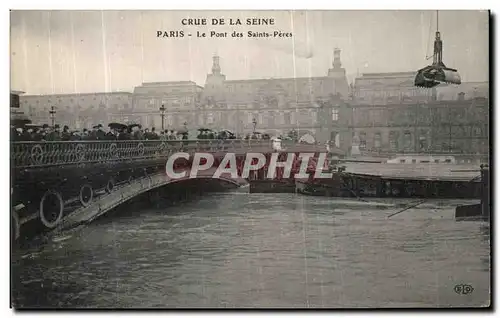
(225, 22)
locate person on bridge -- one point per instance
(54, 135)
(99, 133)
(15, 133)
(75, 135)
(112, 134)
(65, 135)
(86, 134)
(27, 134)
(163, 136)
(137, 133)
(152, 135)
(124, 135)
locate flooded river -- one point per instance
(262, 250)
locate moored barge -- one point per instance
(416, 177)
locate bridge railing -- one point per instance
(49, 153)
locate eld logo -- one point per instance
(463, 289)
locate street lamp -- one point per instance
(162, 110)
(52, 113)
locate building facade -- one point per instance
(387, 113)
(276, 106)
(179, 99)
(380, 111)
(307, 105)
(78, 111)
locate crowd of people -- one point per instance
(114, 131)
(25, 131)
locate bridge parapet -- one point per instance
(51, 179)
(50, 153)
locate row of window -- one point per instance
(382, 116)
(72, 99)
(408, 142)
(393, 140)
(269, 86)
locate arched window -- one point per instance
(210, 118)
(422, 141)
(362, 140)
(407, 140)
(393, 140)
(377, 141)
(335, 114)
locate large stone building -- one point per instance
(389, 114)
(180, 100)
(308, 105)
(276, 105)
(381, 111)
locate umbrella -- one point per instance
(205, 129)
(134, 125)
(117, 126)
(224, 134)
(307, 138)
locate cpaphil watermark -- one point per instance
(305, 163)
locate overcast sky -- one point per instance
(100, 51)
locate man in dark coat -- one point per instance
(65, 135)
(54, 135)
(27, 134)
(154, 135)
(137, 133)
(112, 134)
(124, 135)
(99, 133)
(86, 135)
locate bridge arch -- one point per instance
(129, 190)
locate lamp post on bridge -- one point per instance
(162, 110)
(52, 113)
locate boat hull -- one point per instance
(373, 187)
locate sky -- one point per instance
(64, 52)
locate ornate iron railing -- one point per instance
(50, 153)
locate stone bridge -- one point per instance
(55, 185)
